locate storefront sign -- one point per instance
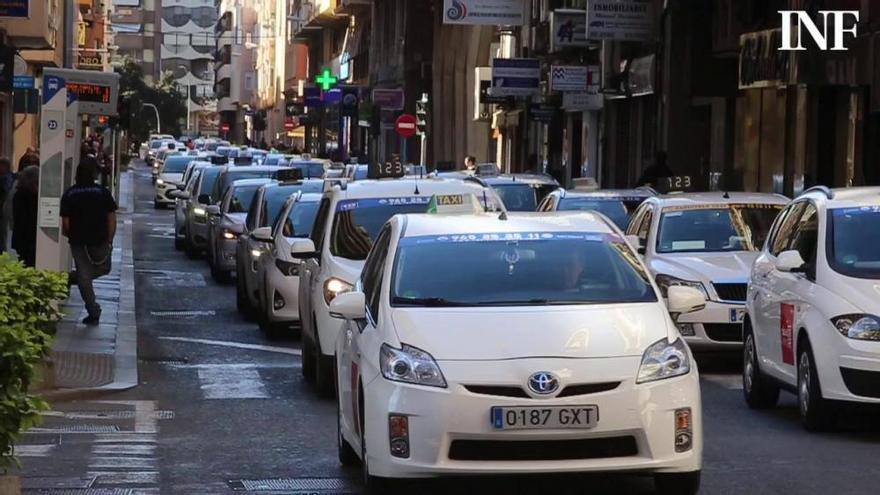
(90, 61)
(543, 112)
(388, 99)
(23, 82)
(568, 28)
(591, 99)
(568, 78)
(620, 20)
(516, 77)
(313, 96)
(486, 12)
(17, 9)
(761, 64)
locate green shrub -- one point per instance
(28, 314)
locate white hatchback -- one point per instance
(475, 345)
(813, 311)
(707, 241)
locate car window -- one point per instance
(708, 228)
(546, 205)
(300, 219)
(853, 237)
(193, 181)
(177, 164)
(786, 229)
(613, 208)
(240, 199)
(254, 212)
(358, 221)
(805, 238)
(371, 278)
(320, 226)
(518, 269)
(209, 178)
(645, 226)
(517, 196)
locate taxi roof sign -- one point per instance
(455, 203)
(388, 170)
(289, 175)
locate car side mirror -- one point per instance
(636, 243)
(303, 249)
(263, 234)
(204, 199)
(213, 210)
(183, 195)
(791, 262)
(174, 194)
(349, 306)
(681, 300)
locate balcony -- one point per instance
(224, 72)
(226, 104)
(36, 29)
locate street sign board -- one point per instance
(96, 92)
(23, 82)
(568, 29)
(516, 76)
(620, 20)
(313, 96)
(543, 112)
(389, 99)
(289, 124)
(406, 125)
(224, 127)
(568, 78)
(485, 12)
(16, 9)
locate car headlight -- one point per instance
(199, 212)
(664, 359)
(410, 365)
(287, 268)
(229, 235)
(333, 287)
(666, 281)
(159, 182)
(858, 326)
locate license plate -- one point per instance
(737, 315)
(549, 417)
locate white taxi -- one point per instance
(348, 219)
(475, 345)
(813, 311)
(707, 241)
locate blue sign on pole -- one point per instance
(516, 77)
(23, 82)
(18, 9)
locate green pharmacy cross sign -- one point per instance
(326, 80)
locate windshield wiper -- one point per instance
(520, 302)
(431, 302)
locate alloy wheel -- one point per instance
(805, 376)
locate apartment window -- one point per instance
(127, 3)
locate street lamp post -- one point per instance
(158, 121)
(188, 111)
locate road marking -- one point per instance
(125, 449)
(243, 366)
(232, 384)
(730, 382)
(99, 462)
(184, 313)
(125, 477)
(237, 345)
(43, 450)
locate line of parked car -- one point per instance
(505, 297)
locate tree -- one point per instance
(163, 94)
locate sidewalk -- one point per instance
(103, 357)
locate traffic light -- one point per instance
(422, 114)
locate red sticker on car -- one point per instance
(786, 329)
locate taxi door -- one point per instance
(310, 269)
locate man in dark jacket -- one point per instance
(29, 158)
(24, 215)
(88, 216)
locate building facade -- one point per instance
(136, 27)
(234, 68)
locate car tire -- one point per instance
(156, 205)
(817, 413)
(347, 455)
(677, 483)
(242, 303)
(178, 243)
(324, 373)
(308, 361)
(759, 392)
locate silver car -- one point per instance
(195, 221)
(183, 198)
(226, 223)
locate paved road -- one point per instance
(212, 417)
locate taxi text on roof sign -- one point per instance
(454, 203)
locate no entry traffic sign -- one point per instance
(406, 125)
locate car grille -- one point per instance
(519, 393)
(861, 382)
(723, 332)
(731, 292)
(542, 450)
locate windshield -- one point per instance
(516, 269)
(156, 144)
(177, 164)
(618, 210)
(209, 178)
(277, 196)
(238, 174)
(517, 196)
(854, 238)
(310, 170)
(272, 160)
(300, 220)
(715, 228)
(241, 199)
(357, 222)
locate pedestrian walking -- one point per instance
(88, 216)
(7, 179)
(30, 157)
(24, 215)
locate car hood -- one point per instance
(862, 294)
(706, 267)
(175, 178)
(234, 221)
(508, 333)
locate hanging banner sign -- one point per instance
(568, 29)
(516, 77)
(485, 12)
(620, 20)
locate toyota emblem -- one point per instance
(543, 383)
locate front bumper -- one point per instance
(225, 260)
(716, 327)
(198, 231)
(162, 191)
(439, 417)
(286, 287)
(849, 369)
